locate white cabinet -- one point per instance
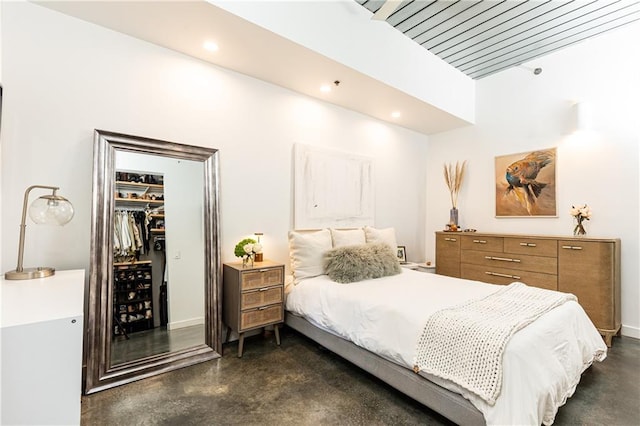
(41, 349)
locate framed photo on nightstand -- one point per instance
(402, 254)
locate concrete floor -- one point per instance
(300, 383)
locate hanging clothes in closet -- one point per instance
(130, 234)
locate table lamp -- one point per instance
(259, 255)
(47, 209)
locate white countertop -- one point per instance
(42, 299)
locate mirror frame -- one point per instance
(100, 374)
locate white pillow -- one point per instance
(386, 236)
(347, 237)
(306, 252)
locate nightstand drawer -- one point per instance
(261, 297)
(261, 316)
(262, 278)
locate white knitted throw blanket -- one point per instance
(465, 343)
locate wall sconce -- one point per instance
(259, 256)
(581, 116)
(47, 209)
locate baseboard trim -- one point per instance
(185, 323)
(629, 331)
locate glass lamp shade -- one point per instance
(48, 209)
(51, 210)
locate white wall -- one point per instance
(1, 210)
(519, 112)
(0, 43)
(1, 139)
(344, 31)
(184, 221)
(64, 77)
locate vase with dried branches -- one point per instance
(454, 176)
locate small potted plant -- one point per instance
(247, 249)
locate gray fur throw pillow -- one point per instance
(349, 264)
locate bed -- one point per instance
(376, 323)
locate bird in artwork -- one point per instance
(523, 174)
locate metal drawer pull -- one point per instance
(496, 274)
(572, 247)
(503, 259)
(479, 242)
(263, 270)
(528, 244)
(262, 308)
(264, 289)
(450, 239)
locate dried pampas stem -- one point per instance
(453, 177)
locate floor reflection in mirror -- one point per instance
(155, 341)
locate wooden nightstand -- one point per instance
(252, 298)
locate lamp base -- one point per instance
(30, 273)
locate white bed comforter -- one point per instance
(542, 363)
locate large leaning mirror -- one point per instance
(154, 293)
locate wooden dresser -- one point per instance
(252, 298)
(586, 267)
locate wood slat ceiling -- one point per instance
(483, 37)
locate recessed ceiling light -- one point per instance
(211, 46)
(325, 88)
(395, 114)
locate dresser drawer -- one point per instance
(486, 243)
(261, 278)
(520, 262)
(497, 275)
(259, 317)
(534, 246)
(261, 297)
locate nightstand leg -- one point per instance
(277, 330)
(240, 344)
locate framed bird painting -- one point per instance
(526, 184)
